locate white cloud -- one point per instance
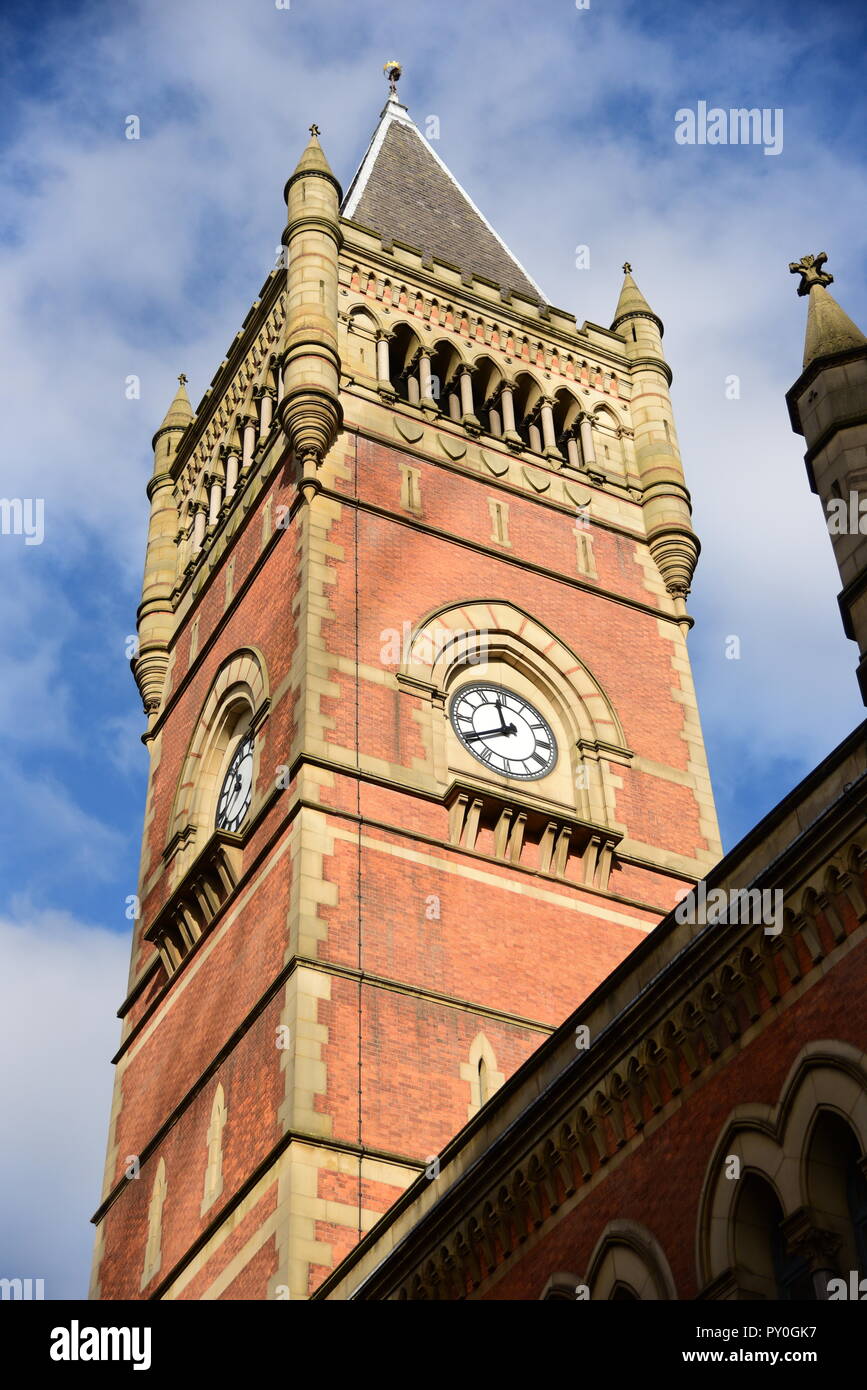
(61, 983)
(143, 257)
(43, 822)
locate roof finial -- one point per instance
(182, 379)
(810, 270)
(314, 129)
(627, 268)
(393, 70)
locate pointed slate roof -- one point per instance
(403, 191)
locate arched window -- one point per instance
(484, 1090)
(217, 785)
(214, 1168)
(766, 1267)
(629, 1263)
(403, 365)
(528, 402)
(445, 387)
(480, 1070)
(567, 411)
(489, 380)
(837, 1190)
(560, 1288)
(783, 1238)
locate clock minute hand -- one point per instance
(491, 733)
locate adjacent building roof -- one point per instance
(404, 192)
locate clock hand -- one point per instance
(492, 733)
(506, 728)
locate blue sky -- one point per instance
(121, 257)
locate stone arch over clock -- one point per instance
(217, 788)
(522, 738)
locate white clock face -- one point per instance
(504, 731)
(237, 790)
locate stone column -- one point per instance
(587, 449)
(425, 378)
(249, 431)
(549, 438)
(216, 492)
(574, 458)
(266, 406)
(466, 389)
(232, 467)
(510, 434)
(382, 360)
(199, 524)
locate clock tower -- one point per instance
(425, 758)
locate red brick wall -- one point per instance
(659, 1184)
(492, 947)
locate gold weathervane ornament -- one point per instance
(314, 129)
(182, 379)
(392, 70)
(627, 268)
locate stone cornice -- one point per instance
(815, 369)
(638, 314)
(837, 425)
